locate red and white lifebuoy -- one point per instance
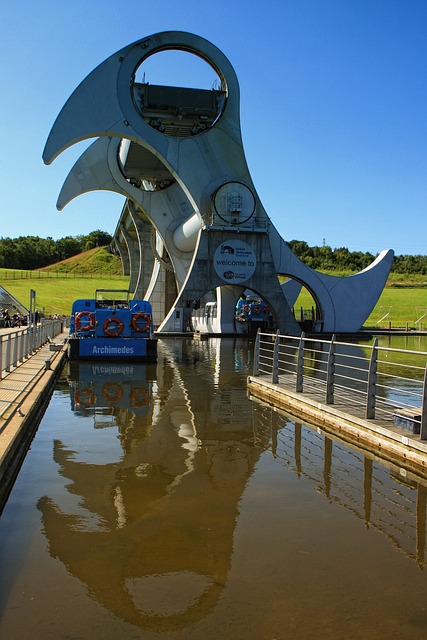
(112, 392)
(86, 326)
(113, 327)
(84, 397)
(256, 310)
(141, 328)
(139, 397)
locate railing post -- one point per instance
(300, 365)
(423, 426)
(21, 345)
(275, 372)
(8, 353)
(15, 349)
(256, 353)
(330, 371)
(27, 343)
(37, 334)
(1, 358)
(372, 382)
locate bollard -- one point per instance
(47, 365)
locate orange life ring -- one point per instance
(257, 310)
(85, 327)
(135, 325)
(112, 391)
(118, 325)
(139, 397)
(266, 310)
(84, 397)
(246, 308)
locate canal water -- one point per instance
(159, 501)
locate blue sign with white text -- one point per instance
(112, 347)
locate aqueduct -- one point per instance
(192, 222)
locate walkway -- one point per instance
(345, 420)
(24, 394)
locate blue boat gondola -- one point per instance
(110, 326)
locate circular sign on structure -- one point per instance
(234, 202)
(234, 261)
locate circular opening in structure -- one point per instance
(178, 93)
(178, 69)
(303, 304)
(252, 313)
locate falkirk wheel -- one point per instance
(193, 224)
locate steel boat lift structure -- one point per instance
(192, 220)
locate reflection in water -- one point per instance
(351, 479)
(188, 511)
(152, 532)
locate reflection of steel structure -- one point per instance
(192, 221)
(157, 512)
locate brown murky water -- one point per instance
(160, 502)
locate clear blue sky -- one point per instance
(333, 110)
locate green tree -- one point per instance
(97, 239)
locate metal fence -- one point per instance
(17, 346)
(21, 274)
(381, 382)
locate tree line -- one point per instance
(327, 259)
(32, 252)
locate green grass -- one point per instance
(400, 280)
(396, 305)
(58, 285)
(56, 294)
(403, 305)
(404, 300)
(94, 261)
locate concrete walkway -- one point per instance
(24, 395)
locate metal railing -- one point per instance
(379, 382)
(17, 346)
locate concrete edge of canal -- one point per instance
(407, 452)
(20, 426)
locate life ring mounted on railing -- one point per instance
(86, 326)
(138, 327)
(113, 327)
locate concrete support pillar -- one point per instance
(133, 253)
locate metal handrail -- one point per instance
(17, 346)
(336, 368)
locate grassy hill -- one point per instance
(58, 285)
(93, 261)
(404, 300)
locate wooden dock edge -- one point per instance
(407, 452)
(17, 435)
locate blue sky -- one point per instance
(333, 110)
